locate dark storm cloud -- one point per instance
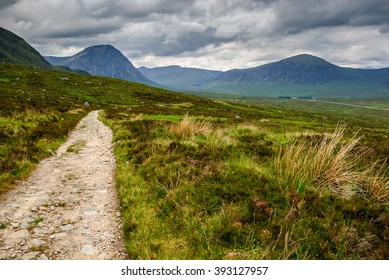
(6, 3)
(298, 16)
(138, 9)
(86, 30)
(188, 42)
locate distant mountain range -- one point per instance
(304, 75)
(301, 75)
(179, 77)
(102, 60)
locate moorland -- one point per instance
(220, 177)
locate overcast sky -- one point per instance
(211, 34)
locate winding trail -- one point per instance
(68, 208)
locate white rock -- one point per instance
(58, 235)
(30, 256)
(43, 257)
(89, 213)
(20, 234)
(88, 250)
(67, 227)
(37, 242)
(51, 231)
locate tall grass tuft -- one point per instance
(189, 128)
(376, 183)
(330, 163)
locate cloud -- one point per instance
(384, 29)
(233, 33)
(6, 3)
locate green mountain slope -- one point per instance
(14, 49)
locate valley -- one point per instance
(205, 174)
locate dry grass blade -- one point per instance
(188, 128)
(330, 163)
(376, 185)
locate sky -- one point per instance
(209, 34)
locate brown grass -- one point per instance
(330, 163)
(189, 128)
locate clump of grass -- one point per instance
(40, 248)
(329, 163)
(77, 146)
(376, 183)
(189, 128)
(38, 220)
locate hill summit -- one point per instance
(102, 60)
(299, 69)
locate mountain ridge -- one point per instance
(302, 68)
(299, 75)
(102, 60)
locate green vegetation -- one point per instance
(76, 147)
(248, 186)
(206, 179)
(38, 109)
(14, 49)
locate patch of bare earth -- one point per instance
(68, 208)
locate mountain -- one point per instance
(300, 69)
(102, 60)
(303, 75)
(180, 77)
(14, 49)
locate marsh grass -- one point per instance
(188, 128)
(330, 162)
(213, 190)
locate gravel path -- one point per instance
(68, 207)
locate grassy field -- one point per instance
(249, 181)
(214, 179)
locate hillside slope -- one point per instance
(14, 49)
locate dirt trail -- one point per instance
(68, 207)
